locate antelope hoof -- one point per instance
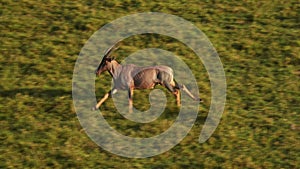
(94, 108)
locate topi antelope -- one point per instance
(130, 77)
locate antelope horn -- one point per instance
(111, 49)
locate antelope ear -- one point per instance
(109, 59)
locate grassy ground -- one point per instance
(258, 43)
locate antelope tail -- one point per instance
(186, 90)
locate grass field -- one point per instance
(258, 44)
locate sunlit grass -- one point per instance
(258, 44)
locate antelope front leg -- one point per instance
(130, 95)
(105, 97)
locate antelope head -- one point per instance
(107, 61)
(106, 64)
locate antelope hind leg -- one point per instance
(175, 90)
(177, 96)
(130, 95)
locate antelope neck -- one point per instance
(115, 70)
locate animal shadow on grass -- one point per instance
(36, 92)
(55, 101)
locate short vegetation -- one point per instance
(258, 43)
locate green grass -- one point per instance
(258, 43)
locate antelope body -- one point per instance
(130, 77)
